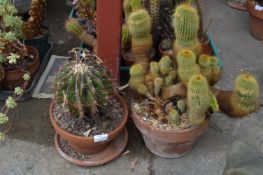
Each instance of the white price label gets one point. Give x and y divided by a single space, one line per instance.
258 8
101 138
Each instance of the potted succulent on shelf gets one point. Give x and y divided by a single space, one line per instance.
15 57
88 117
35 33
255 10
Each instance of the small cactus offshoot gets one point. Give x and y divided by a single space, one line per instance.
83 86
215 70
204 63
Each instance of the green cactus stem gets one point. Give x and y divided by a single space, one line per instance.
245 98
198 99
136 76
215 70
165 65
187 66
83 87
73 26
186 25
139 24
174 117
204 63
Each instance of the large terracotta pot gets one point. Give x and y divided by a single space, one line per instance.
14 78
255 20
166 143
86 144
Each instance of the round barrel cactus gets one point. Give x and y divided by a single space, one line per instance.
83 85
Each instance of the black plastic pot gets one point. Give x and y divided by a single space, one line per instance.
41 44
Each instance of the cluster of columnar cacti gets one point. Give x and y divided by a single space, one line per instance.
245 97
139 24
198 97
83 85
74 27
32 28
186 25
153 83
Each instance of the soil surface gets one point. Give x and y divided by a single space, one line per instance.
108 119
145 112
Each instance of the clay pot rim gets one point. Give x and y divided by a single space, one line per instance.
34 52
126 58
169 131
251 10
90 138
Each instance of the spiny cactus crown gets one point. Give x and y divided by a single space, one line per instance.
83 85
204 61
246 89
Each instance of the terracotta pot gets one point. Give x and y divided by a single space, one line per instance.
166 143
205 44
14 78
237 4
128 56
86 144
255 20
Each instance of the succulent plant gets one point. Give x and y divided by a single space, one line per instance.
86 9
187 66
245 98
186 25
198 96
32 28
83 86
126 36
204 63
136 76
126 8
74 27
165 65
139 24
11 49
154 11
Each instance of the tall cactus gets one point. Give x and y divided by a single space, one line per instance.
245 98
83 86
139 24
198 99
187 66
186 25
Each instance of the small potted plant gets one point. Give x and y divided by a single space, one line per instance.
87 115
178 105
255 10
15 57
35 33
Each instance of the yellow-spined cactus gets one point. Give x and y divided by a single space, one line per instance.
187 66
204 63
245 98
136 76
198 96
215 70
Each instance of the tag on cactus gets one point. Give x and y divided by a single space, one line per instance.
213 102
101 138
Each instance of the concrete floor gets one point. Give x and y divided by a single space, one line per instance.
29 149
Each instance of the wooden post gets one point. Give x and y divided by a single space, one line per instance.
109 19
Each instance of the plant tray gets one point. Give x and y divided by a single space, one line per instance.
28 92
